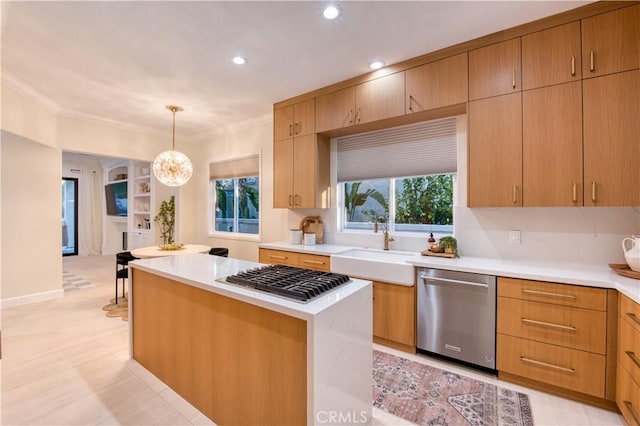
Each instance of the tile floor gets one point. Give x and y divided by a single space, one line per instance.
65 363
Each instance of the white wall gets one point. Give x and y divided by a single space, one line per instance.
194 197
31 220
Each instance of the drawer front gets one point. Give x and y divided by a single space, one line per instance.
278 257
629 348
628 396
567 368
630 311
558 294
314 261
559 325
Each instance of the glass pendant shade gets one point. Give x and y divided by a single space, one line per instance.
172 168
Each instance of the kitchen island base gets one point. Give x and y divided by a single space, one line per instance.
239 363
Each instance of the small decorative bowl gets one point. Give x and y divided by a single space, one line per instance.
173 246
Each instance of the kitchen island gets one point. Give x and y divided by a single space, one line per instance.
245 357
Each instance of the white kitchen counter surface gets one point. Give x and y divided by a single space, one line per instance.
594 275
203 271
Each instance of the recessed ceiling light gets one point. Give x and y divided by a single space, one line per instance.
331 12
376 65
239 60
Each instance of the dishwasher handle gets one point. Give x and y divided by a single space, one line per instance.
449 280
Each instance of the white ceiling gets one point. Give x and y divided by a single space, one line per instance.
125 61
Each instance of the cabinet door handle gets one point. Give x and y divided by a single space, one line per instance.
633 413
290 129
574 194
592 65
313 262
273 256
573 65
290 200
350 117
633 317
544 364
593 191
296 128
544 293
411 103
358 116
296 197
548 324
633 357
513 79
515 194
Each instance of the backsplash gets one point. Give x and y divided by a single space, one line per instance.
568 235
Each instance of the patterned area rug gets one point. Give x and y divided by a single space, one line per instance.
429 396
119 310
71 282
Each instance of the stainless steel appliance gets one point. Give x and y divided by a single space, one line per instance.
457 315
298 284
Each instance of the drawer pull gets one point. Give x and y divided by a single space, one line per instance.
544 364
273 256
548 324
635 416
544 293
633 357
633 317
313 262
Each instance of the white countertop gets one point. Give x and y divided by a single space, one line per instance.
592 275
203 271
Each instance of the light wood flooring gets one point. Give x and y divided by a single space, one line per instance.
65 363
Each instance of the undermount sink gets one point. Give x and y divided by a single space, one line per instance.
378 265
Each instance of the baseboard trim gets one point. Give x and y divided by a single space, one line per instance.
32 298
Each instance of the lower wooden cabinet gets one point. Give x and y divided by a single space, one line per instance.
628 371
559 338
302 260
394 316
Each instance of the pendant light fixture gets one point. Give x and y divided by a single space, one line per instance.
173 168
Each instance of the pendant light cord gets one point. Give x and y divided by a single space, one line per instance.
173 144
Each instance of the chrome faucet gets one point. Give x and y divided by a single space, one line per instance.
387 239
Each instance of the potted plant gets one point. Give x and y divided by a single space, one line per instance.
449 244
166 219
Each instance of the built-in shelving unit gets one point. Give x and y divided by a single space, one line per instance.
141 228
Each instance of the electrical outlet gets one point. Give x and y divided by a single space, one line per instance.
514 237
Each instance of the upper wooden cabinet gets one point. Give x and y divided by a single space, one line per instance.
294 120
495 70
552 146
366 102
336 110
551 56
610 42
380 98
611 147
437 84
495 152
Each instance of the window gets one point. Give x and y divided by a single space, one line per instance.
235 196
402 176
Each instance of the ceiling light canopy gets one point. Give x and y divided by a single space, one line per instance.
331 12
376 65
239 60
173 168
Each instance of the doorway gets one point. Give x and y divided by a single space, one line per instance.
69 216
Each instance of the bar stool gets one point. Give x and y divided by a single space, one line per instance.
122 271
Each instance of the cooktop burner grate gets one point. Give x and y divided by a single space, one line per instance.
290 282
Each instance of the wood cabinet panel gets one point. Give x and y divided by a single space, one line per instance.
554 293
294 120
283 123
495 152
314 261
283 173
611 150
380 98
628 396
336 110
552 146
568 368
610 42
629 348
495 70
278 257
394 315
551 56
575 328
630 311
305 171
437 84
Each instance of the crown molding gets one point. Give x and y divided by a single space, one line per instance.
14 84
81 116
263 120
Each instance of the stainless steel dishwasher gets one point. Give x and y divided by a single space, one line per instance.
457 315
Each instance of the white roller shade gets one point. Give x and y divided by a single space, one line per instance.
236 168
418 149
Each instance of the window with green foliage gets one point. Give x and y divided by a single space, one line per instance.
235 196
408 204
